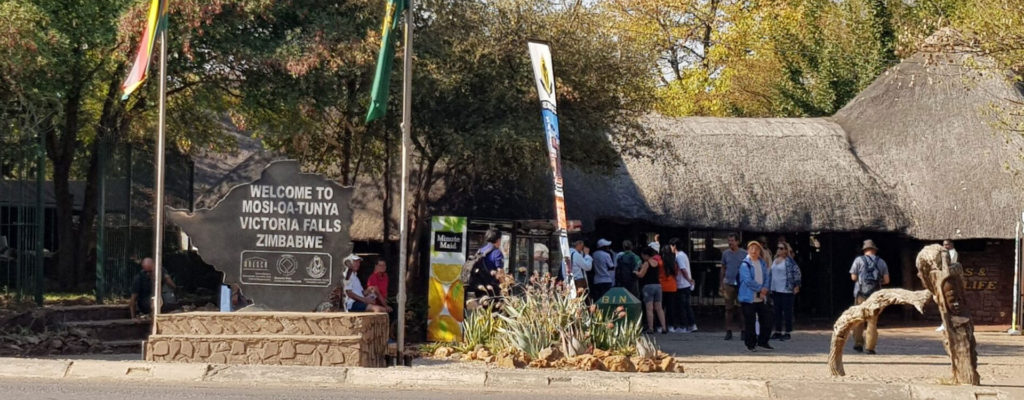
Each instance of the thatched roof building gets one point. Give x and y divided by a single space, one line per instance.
928 129
768 175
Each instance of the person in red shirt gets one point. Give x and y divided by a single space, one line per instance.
379 282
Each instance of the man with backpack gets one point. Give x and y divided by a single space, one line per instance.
869 273
481 272
626 264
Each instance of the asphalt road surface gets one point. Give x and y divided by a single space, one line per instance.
11 389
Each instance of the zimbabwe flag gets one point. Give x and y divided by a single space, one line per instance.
156 20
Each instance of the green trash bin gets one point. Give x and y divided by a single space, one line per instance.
619 296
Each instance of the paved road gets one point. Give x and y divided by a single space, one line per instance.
84 390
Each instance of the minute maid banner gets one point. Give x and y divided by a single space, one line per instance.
446 298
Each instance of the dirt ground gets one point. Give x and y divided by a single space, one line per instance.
905 355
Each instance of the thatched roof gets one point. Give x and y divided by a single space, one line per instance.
780 175
927 129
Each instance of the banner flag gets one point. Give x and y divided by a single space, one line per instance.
446 295
544 75
155 21
382 78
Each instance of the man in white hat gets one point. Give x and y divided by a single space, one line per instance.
604 269
869 272
355 301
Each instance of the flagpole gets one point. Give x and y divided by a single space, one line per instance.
403 217
158 195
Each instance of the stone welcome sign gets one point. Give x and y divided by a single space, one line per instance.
281 238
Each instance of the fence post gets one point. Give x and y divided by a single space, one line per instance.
40 218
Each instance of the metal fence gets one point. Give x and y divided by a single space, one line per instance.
123 225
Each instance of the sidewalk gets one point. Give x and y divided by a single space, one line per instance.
911 366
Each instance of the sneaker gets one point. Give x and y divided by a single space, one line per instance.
693 328
751 349
871 352
858 349
776 336
664 331
940 328
786 336
728 335
766 346
684 330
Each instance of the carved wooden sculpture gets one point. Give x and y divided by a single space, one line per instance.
868 312
944 283
945 280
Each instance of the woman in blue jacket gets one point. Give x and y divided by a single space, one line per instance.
755 279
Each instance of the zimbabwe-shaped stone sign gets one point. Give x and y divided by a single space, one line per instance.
281 238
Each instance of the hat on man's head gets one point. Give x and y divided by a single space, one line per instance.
755 243
869 244
351 257
603 243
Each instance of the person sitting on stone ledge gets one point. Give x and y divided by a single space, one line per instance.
355 299
141 302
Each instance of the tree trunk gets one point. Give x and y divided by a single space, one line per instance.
418 221
386 207
945 280
61 151
868 312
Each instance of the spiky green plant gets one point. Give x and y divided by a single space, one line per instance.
479 328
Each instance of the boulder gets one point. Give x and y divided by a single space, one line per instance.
646 365
619 364
483 353
549 354
667 364
589 363
510 361
541 363
601 353
443 352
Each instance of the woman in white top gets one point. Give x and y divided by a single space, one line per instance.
785 285
684 286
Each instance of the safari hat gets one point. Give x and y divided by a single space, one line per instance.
869 244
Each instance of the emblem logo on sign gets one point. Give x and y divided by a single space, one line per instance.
316 268
254 263
286 265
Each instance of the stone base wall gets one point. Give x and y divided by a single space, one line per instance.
270 338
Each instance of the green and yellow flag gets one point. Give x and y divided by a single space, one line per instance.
156 20
382 79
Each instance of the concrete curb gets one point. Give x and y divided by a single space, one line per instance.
537 380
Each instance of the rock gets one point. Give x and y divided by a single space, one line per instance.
469 356
549 354
678 368
456 356
510 361
56 344
523 358
483 353
540 364
668 364
601 353
488 359
443 352
589 363
32 339
646 365
619 364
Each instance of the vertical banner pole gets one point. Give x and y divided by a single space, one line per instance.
544 75
404 217
158 200
101 217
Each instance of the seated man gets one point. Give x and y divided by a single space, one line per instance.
141 302
356 300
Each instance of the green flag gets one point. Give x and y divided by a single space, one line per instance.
382 78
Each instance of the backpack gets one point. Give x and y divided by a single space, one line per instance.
625 264
473 269
868 277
